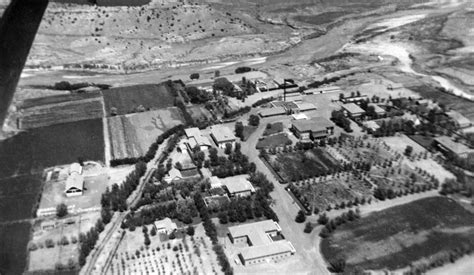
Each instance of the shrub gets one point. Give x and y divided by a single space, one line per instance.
61 210
301 217
49 243
308 227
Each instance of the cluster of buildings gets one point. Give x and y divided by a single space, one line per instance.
260 242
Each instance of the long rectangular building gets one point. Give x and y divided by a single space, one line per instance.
264 242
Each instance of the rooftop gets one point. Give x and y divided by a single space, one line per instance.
305 106
215 182
237 184
75 168
166 223
377 108
274 248
285 104
455 147
222 133
256 232
192 132
353 108
75 180
299 116
273 111
313 124
459 118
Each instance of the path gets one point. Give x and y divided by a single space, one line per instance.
306 245
97 259
105 126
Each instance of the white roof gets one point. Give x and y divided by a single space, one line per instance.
305 106
353 108
75 168
215 182
299 116
173 174
459 118
254 230
75 180
165 223
274 248
192 132
237 184
222 134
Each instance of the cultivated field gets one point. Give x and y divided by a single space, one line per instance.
125 100
132 135
60 112
183 255
38 148
395 237
300 165
18 196
13 247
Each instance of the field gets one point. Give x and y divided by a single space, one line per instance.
274 128
395 237
331 192
188 255
38 148
304 164
18 196
13 247
452 102
60 112
132 135
276 140
46 258
125 100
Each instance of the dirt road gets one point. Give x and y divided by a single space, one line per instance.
308 256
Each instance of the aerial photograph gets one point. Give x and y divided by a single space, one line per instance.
254 137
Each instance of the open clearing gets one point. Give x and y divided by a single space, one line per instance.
132 135
395 237
126 100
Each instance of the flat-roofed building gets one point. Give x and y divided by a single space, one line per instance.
305 106
238 186
75 168
262 242
299 116
460 120
314 128
222 135
353 110
275 111
448 145
323 90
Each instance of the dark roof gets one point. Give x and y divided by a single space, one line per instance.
314 124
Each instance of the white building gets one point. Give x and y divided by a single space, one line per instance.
222 135
165 226
75 181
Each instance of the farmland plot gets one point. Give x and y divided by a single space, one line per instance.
395 237
125 100
132 135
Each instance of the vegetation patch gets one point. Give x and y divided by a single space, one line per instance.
274 141
13 242
139 98
19 196
395 237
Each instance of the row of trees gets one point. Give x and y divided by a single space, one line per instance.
331 224
179 130
341 120
211 232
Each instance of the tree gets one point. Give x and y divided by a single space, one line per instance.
301 217
228 148
61 210
239 130
194 76
153 231
254 120
308 227
408 151
337 266
190 230
323 219
223 219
